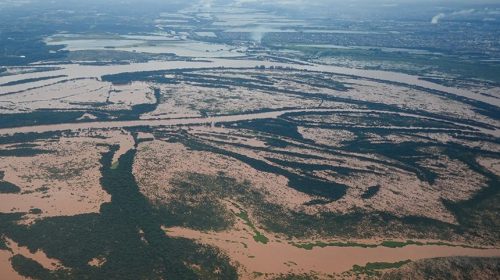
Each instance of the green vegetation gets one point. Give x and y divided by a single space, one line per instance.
310 246
378 119
309 184
36 211
302 225
42 117
477 223
20 48
115 165
397 244
371 268
107 57
293 276
368 225
258 237
3 244
408 62
389 244
31 269
478 216
447 268
257 274
27 138
199 195
23 152
27 81
6 187
115 235
38 118
370 192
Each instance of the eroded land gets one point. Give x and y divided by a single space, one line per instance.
224 161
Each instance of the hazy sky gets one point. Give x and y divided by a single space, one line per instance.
431 10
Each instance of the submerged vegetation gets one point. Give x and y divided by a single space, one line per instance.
446 268
258 237
373 223
6 187
371 268
115 234
387 243
313 144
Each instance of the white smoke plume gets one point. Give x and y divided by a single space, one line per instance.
258 33
461 13
437 18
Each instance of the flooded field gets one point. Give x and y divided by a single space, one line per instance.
75 71
200 140
278 256
326 118
154 43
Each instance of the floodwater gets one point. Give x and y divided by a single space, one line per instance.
180 122
6 270
146 44
38 256
332 46
274 257
86 71
329 259
126 144
165 122
281 257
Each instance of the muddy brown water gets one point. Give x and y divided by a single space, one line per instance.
184 121
79 71
282 257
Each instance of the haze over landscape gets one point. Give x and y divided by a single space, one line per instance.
249 139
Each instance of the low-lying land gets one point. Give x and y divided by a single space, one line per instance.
194 145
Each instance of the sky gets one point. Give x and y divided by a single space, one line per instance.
434 11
